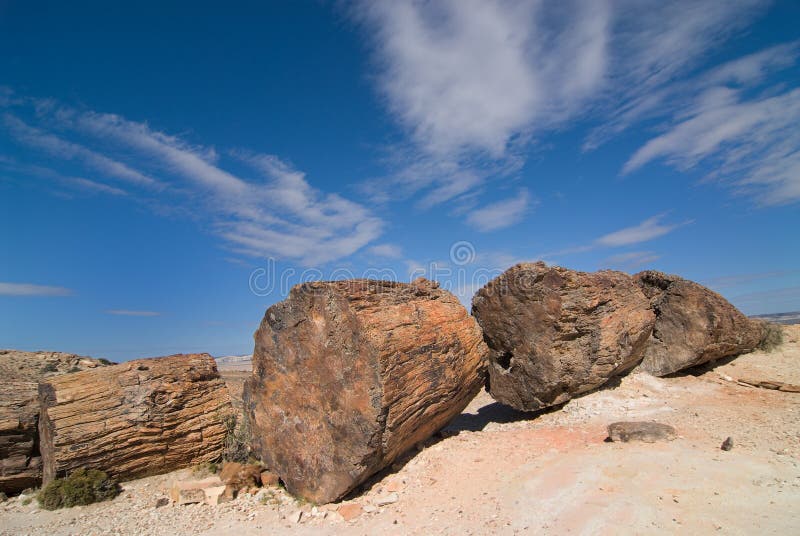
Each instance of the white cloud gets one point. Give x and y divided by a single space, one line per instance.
632 259
96 186
73 151
649 229
390 251
473 81
282 216
127 312
753 143
500 214
28 289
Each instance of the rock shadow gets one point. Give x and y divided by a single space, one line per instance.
490 413
703 368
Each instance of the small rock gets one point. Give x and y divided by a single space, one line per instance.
349 511
727 444
216 495
648 432
161 501
240 476
268 478
296 517
194 491
368 508
389 498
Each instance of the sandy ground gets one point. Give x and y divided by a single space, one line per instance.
494 470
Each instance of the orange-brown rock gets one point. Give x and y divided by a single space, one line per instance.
269 479
348 375
138 418
694 325
20 461
237 476
555 333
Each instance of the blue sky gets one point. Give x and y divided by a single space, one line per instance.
169 169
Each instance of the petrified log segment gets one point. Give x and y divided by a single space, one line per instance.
555 333
694 325
20 463
348 375
138 418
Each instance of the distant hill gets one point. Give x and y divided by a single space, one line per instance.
234 362
781 318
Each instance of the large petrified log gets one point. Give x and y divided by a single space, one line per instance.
694 325
20 464
555 333
348 375
138 418
20 461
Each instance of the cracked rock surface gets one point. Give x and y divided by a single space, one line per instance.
694 325
556 333
348 375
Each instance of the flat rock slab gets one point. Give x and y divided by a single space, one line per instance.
348 375
646 431
556 333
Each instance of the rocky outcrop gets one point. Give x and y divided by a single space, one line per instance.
348 375
20 461
16 365
555 333
694 325
139 418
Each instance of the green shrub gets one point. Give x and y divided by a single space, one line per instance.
205 469
73 369
80 488
105 361
50 367
773 337
237 438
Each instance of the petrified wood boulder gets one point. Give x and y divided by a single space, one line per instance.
348 375
694 325
20 461
555 333
138 418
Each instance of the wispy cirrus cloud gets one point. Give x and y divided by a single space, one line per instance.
60 148
631 259
474 83
280 216
93 186
388 251
30 289
500 214
754 143
645 231
79 183
129 312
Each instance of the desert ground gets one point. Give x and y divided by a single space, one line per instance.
497 471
